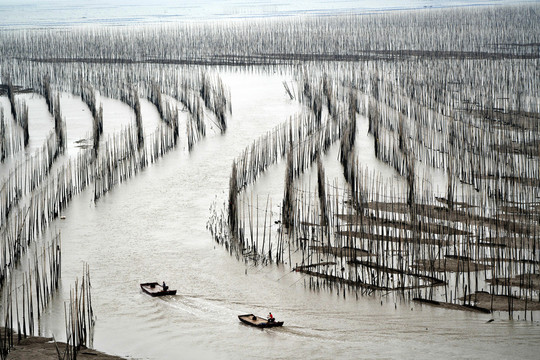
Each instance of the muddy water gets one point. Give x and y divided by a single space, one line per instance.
152 228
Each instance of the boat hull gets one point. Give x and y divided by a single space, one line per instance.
257 321
155 289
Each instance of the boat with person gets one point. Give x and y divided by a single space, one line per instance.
156 289
258 321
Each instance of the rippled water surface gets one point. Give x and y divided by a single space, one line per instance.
153 228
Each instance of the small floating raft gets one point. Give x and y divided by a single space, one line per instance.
155 289
258 321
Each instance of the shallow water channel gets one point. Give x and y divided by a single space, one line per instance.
153 228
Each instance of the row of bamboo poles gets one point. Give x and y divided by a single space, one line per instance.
39 187
197 90
473 113
26 297
399 236
162 140
11 142
472 147
475 32
79 316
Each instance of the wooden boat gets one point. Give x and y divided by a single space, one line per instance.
258 321
155 289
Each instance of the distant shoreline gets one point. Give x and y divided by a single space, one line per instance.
51 14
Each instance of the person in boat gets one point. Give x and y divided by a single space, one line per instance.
271 317
165 287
